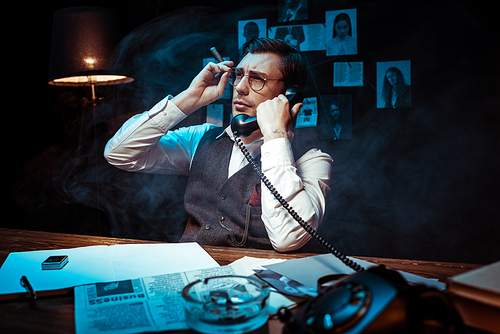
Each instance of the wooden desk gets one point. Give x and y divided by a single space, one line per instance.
56 314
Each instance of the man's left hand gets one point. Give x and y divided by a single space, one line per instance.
275 119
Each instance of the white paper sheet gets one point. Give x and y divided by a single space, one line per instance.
101 264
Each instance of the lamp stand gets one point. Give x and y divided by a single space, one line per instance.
93 107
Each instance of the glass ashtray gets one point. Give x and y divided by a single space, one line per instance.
226 304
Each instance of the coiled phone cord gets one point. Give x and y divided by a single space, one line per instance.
342 257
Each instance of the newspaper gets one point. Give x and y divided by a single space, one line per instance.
308 114
348 74
139 305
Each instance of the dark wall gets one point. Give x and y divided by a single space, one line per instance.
420 182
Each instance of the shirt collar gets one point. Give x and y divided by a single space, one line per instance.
226 132
253 147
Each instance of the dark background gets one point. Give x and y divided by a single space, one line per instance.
421 182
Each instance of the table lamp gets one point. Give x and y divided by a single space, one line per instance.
83 40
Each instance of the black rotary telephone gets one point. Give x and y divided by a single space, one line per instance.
375 300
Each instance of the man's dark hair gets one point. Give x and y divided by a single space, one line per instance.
292 65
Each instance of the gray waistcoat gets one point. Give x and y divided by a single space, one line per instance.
219 209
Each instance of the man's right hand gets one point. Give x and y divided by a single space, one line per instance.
205 88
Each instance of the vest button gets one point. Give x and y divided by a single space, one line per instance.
207 227
223 197
222 218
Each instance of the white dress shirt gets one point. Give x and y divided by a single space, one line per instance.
144 143
340 47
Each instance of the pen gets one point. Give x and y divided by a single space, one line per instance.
216 54
26 284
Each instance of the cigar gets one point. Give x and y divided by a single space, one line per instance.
216 54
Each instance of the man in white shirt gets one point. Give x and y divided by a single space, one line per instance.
224 198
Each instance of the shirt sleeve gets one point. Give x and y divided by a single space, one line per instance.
303 184
145 144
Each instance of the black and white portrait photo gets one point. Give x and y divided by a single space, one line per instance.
249 29
336 117
393 84
341 32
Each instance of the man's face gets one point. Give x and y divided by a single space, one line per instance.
335 112
251 31
262 65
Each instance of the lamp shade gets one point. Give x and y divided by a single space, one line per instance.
83 40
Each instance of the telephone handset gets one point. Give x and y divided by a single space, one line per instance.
245 125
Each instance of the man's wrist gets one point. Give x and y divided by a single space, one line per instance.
166 114
186 102
275 134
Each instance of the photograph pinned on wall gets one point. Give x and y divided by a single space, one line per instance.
307 37
293 35
250 29
336 117
341 32
215 114
292 10
308 114
348 74
227 89
394 84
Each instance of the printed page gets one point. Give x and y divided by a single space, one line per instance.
348 74
308 114
140 305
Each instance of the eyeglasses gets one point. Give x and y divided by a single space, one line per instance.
256 81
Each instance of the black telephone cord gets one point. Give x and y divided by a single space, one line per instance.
342 257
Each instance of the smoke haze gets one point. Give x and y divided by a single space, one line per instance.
411 183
